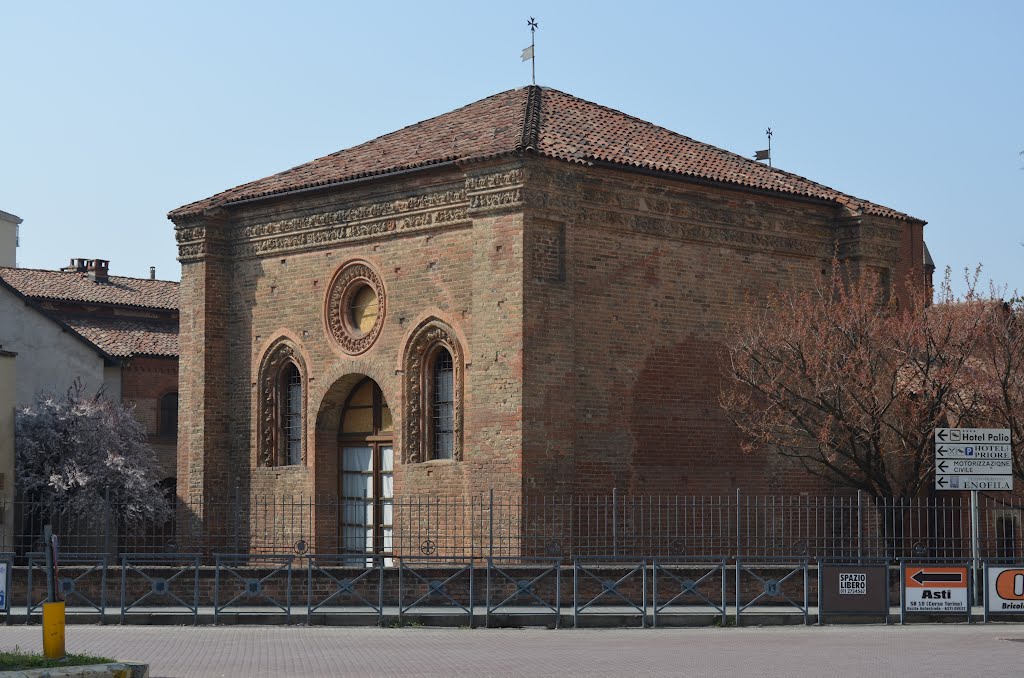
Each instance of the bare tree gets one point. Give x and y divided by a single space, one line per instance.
999 371
850 384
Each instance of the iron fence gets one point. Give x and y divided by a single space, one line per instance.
553 527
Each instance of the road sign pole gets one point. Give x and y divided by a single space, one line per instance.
975 541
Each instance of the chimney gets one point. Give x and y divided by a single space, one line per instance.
97 270
76 266
152 272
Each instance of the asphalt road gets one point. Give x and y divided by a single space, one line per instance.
922 650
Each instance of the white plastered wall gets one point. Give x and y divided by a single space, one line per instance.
49 357
7 382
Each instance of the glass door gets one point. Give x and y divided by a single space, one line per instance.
366 485
357 497
387 500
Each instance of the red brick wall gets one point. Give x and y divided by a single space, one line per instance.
207 467
592 307
624 350
144 381
467 274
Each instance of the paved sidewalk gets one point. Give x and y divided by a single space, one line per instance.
992 651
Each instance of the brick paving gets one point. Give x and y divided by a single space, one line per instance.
990 651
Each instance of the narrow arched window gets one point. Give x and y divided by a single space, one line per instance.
281 425
291 415
442 406
168 416
434 381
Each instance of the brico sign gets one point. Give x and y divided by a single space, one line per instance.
928 588
1005 589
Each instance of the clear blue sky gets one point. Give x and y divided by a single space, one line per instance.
115 113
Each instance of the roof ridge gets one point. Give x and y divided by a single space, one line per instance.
531 119
57 270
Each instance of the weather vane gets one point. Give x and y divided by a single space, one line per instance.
767 153
528 52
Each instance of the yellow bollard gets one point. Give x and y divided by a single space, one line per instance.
53 630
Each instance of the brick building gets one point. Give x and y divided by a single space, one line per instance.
111 332
529 294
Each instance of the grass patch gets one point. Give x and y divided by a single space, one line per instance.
17 660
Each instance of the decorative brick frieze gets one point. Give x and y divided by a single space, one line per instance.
676 230
493 180
189 234
869 250
374 220
199 238
489 202
495 191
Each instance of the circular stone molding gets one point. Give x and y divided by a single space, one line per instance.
345 288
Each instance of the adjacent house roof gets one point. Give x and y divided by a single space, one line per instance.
545 122
118 290
13 218
55 294
127 337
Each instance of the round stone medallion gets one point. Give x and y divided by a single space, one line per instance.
355 307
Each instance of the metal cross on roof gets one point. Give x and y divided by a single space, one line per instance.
528 52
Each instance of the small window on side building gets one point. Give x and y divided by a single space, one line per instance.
169 416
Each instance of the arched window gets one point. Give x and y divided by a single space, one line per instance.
433 369
290 402
442 405
282 404
367 467
168 416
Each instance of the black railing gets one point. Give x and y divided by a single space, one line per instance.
559 527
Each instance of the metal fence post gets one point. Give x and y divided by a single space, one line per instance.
737 555
490 535
975 546
106 525
737 523
615 521
860 525
237 518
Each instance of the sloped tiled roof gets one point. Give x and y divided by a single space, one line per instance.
547 122
126 337
60 286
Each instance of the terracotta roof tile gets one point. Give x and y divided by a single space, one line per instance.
489 127
543 121
119 290
126 337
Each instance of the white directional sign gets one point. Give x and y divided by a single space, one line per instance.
973 459
970 466
972 435
973 482
972 451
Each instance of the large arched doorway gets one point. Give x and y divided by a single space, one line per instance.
366 467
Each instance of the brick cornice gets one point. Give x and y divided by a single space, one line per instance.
484 190
440 208
200 237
